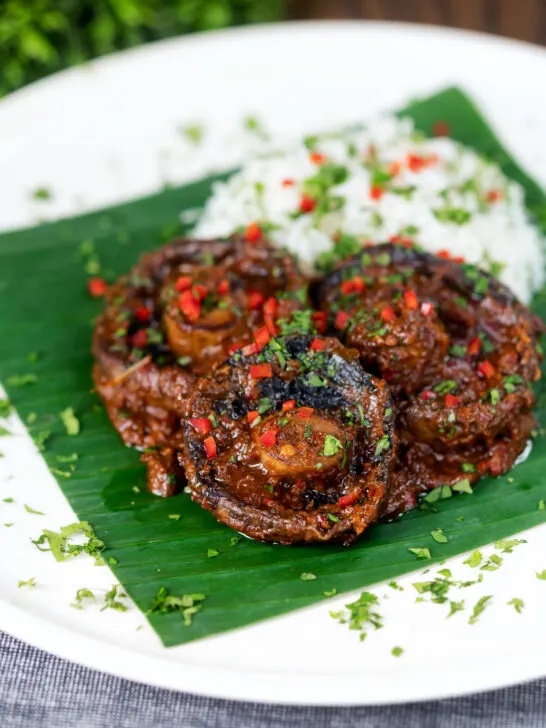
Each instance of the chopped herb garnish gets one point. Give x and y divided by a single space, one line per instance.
188 604
70 421
455 607
458 350
475 559
493 563
506 546
397 651
332 518
193 133
112 600
360 615
28 509
211 553
541 575
61 548
462 486
421 552
383 444
468 468
8 500
331 446
308 576
456 215
175 516
82 594
541 505
394 585
254 126
30 583
330 593
479 607
445 387
234 540
517 604
4 432
439 536
42 194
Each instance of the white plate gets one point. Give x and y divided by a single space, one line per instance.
107 132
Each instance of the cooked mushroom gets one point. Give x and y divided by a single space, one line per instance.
291 444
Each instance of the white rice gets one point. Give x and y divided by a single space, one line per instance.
496 231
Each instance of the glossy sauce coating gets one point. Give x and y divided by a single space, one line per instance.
301 446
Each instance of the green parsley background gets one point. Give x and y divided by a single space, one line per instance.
39 37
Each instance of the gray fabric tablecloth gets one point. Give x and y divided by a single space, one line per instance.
38 690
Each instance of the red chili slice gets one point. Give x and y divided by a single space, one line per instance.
317 158
143 314
474 346
189 306
410 299
255 300
288 182
262 337
97 287
250 349
253 233
349 499
307 204
268 438
253 415
305 413
319 320
223 287
387 314
271 306
260 371
182 284
199 292
139 339
210 447
451 400
487 369
201 424
318 345
427 394
376 192
290 404
234 347
342 320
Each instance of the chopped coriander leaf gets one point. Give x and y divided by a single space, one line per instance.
112 600
193 133
397 651
211 553
360 615
455 607
445 387
254 126
82 594
8 525
421 552
468 468
308 576
456 215
458 350
462 486
112 561
541 575
439 536
506 546
383 444
72 458
331 446
541 505
5 408
61 547
28 509
174 516
475 559
479 608
394 585
517 604
441 493
188 604
4 432
70 421
494 396
42 194
8 500
330 593
21 380
234 540
30 583
333 518
493 563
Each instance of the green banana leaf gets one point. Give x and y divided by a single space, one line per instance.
156 543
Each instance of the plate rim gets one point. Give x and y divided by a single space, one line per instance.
212 682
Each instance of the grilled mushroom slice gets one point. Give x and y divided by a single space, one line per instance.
293 444
459 352
177 314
